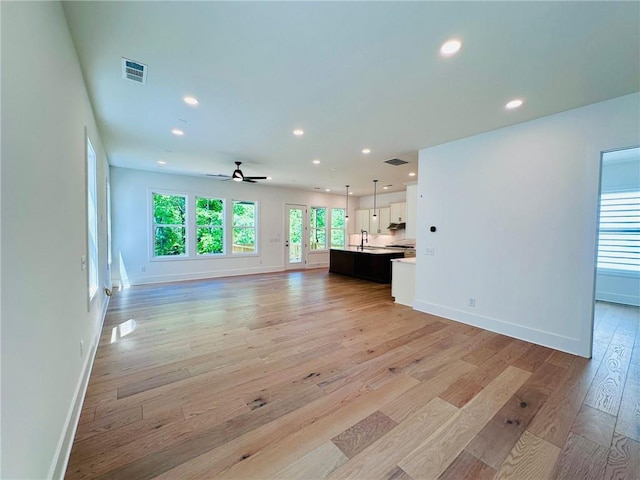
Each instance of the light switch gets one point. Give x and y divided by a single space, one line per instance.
430 251
83 263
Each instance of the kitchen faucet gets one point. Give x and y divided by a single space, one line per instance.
362 238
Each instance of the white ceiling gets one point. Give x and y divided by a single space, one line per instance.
351 74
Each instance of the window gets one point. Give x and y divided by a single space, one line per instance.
244 227
619 240
92 218
169 225
318 230
209 226
337 227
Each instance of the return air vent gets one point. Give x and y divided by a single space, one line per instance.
134 71
395 162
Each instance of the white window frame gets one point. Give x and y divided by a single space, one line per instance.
152 245
331 229
92 220
313 229
254 227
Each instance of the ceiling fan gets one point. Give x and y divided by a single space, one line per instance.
237 176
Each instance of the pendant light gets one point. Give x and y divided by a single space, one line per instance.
375 185
346 215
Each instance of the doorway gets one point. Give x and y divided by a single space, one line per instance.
295 241
618 262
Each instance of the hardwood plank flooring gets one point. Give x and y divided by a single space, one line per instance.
312 375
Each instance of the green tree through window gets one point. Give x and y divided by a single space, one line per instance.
337 227
318 231
169 222
244 227
210 226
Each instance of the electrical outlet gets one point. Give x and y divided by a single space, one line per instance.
430 251
143 269
472 302
83 263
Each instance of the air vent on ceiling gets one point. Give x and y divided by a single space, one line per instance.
395 162
134 71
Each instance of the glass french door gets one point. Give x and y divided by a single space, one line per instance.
295 242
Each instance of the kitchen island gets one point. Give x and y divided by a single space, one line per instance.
367 263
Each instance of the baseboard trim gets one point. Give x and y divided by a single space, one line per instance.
180 277
61 459
547 339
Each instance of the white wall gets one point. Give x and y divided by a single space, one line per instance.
44 291
619 175
383 199
131 226
516 217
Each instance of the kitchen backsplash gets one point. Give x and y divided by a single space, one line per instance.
378 240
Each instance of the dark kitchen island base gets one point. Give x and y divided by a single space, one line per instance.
367 264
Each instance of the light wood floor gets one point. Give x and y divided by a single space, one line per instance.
312 375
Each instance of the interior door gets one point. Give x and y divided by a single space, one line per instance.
295 237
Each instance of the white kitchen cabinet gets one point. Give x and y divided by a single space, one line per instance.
362 220
398 212
403 280
380 224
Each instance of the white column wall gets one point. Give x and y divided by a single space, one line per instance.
516 217
45 311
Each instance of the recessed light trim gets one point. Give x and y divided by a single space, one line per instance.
298 132
366 151
177 131
327 189
412 174
191 100
161 162
450 47
316 162
515 103
269 178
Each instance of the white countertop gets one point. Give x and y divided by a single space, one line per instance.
405 260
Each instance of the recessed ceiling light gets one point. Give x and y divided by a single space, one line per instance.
269 178
161 162
298 132
350 193
412 174
177 131
385 188
450 47
515 103
316 162
191 100
327 189
366 151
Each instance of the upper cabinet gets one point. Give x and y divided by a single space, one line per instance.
378 225
398 212
362 220
381 222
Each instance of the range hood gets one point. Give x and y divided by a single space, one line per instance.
396 226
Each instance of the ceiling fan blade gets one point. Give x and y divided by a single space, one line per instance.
218 176
256 178
248 179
